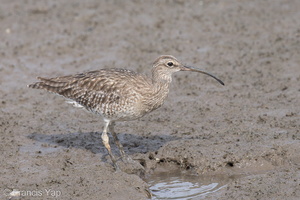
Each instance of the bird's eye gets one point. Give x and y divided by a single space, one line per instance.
170 64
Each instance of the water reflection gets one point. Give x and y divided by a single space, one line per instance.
185 184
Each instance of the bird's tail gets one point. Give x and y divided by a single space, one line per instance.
49 85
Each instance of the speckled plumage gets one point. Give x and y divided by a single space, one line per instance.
117 94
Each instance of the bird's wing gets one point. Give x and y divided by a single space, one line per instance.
94 88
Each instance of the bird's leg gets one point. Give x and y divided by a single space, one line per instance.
117 141
105 140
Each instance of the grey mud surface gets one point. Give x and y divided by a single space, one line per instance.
248 129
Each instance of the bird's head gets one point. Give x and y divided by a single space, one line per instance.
164 66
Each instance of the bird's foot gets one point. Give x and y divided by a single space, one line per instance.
130 166
116 166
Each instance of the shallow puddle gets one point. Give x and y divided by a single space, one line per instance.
185 185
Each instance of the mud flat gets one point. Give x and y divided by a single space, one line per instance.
249 129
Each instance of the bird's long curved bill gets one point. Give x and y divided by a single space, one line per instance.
193 69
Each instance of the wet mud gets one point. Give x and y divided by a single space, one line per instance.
248 129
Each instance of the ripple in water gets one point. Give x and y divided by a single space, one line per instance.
184 185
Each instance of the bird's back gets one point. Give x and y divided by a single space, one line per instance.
116 94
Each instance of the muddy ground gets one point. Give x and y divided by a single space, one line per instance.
248 129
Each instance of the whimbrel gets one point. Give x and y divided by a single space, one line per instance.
118 94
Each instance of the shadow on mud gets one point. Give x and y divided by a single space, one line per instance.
92 141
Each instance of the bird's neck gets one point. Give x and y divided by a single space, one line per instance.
158 91
161 77
161 80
